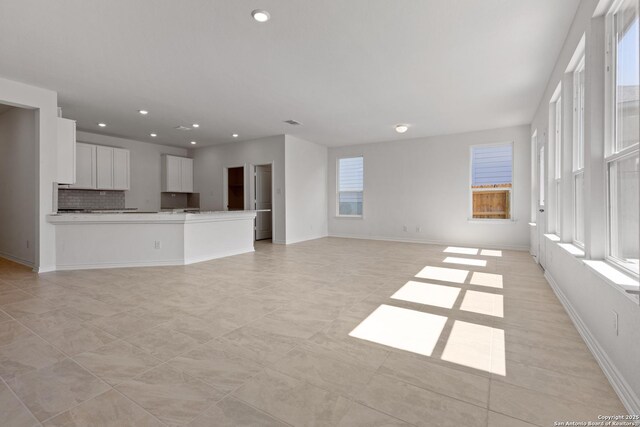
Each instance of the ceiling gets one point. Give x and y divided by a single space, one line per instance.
347 70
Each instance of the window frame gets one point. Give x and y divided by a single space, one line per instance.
511 190
338 214
612 154
557 163
578 146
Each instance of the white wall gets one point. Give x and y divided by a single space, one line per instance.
306 183
18 176
209 164
45 103
591 298
145 163
425 183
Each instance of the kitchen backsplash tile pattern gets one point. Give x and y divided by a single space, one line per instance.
90 199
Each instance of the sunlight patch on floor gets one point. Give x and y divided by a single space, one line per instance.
462 251
476 346
401 328
466 261
491 252
428 293
443 274
483 303
489 280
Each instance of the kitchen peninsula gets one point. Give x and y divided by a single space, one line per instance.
107 240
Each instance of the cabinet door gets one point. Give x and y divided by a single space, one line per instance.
120 169
186 172
66 151
172 178
85 166
104 167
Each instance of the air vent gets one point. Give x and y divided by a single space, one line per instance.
182 128
293 122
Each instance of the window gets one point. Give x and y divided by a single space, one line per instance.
558 164
491 181
541 176
622 145
350 186
578 154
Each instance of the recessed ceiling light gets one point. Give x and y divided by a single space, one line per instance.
261 15
195 125
153 135
235 135
402 128
193 143
102 125
143 112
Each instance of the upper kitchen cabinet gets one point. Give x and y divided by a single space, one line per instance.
66 173
121 180
101 168
85 167
177 174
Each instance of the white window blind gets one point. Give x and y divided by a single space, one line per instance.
350 186
492 165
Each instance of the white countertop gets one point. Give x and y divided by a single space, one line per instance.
157 217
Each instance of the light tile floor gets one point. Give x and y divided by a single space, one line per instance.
263 339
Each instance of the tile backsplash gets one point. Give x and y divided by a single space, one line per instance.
90 199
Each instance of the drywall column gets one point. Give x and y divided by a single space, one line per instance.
45 102
595 208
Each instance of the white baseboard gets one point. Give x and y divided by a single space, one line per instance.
17 260
306 239
626 394
188 261
428 242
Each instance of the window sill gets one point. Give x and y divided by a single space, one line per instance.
532 224
616 278
553 237
490 221
349 217
572 249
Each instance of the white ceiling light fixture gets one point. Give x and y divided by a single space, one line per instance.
260 15
102 125
402 128
143 112
193 143
235 135
153 135
195 125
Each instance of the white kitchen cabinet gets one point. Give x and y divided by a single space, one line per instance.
186 174
177 174
121 169
85 167
101 168
66 172
104 168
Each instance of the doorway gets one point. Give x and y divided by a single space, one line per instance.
235 188
541 216
262 203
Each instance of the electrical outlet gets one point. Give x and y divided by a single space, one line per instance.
405 228
156 244
615 322
418 229
103 193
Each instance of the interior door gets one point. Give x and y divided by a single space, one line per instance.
263 202
235 188
541 223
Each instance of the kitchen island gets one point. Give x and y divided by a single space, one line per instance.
108 240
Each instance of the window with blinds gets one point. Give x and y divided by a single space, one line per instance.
350 186
491 181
